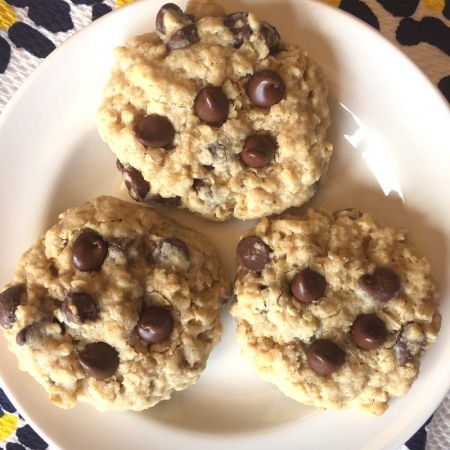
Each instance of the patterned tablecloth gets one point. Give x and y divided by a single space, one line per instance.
31 29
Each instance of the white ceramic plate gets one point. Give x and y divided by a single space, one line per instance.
390 132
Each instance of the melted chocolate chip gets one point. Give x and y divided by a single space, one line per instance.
155 324
173 201
136 184
325 357
158 254
160 26
266 88
258 151
308 286
212 106
9 301
183 38
383 285
85 306
369 331
99 360
270 36
89 251
155 131
238 24
21 338
252 253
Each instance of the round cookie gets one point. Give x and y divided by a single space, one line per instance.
215 114
335 309
116 306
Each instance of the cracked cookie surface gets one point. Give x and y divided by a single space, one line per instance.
335 309
116 306
213 113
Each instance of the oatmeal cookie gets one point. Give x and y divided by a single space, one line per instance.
335 309
214 113
115 305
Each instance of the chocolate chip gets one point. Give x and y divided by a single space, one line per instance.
308 286
21 337
183 38
409 342
266 88
369 331
9 301
270 36
85 308
258 151
383 285
325 357
155 131
137 186
252 253
89 251
99 360
155 324
159 254
212 106
162 12
173 201
238 24
198 184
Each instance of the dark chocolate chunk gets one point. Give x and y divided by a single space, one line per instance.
21 337
183 38
212 106
266 88
9 301
252 253
270 36
258 151
325 357
238 24
155 131
99 360
155 324
137 186
162 12
86 308
369 331
308 286
173 201
383 285
89 251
